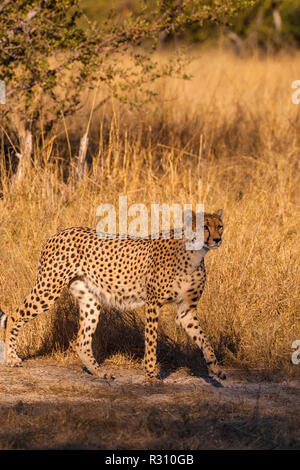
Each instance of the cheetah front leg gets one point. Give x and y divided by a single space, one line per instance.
152 313
186 317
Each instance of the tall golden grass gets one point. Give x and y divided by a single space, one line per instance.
228 138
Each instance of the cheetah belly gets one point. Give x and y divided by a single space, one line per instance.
114 298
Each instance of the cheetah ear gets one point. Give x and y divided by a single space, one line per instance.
220 213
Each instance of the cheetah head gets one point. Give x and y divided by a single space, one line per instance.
213 230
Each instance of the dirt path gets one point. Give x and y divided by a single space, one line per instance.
48 405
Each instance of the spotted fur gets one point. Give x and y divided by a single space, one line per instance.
123 273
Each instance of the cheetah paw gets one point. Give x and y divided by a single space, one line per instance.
108 376
14 362
152 380
217 372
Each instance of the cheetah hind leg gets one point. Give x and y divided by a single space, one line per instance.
36 302
89 317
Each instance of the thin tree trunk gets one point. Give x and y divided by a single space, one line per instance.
81 166
24 157
277 20
237 41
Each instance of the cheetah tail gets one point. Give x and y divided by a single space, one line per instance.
3 319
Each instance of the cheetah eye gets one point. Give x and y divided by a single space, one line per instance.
205 227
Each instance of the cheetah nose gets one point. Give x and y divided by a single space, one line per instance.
216 240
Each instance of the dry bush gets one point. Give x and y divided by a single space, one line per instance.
229 139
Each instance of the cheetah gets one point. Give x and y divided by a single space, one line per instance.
123 273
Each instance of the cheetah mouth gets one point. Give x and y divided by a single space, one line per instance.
212 247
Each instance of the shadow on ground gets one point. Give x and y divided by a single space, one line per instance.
119 334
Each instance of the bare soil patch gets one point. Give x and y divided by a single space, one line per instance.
46 405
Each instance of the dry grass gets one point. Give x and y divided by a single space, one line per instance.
229 138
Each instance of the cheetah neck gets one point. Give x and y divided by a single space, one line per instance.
198 256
